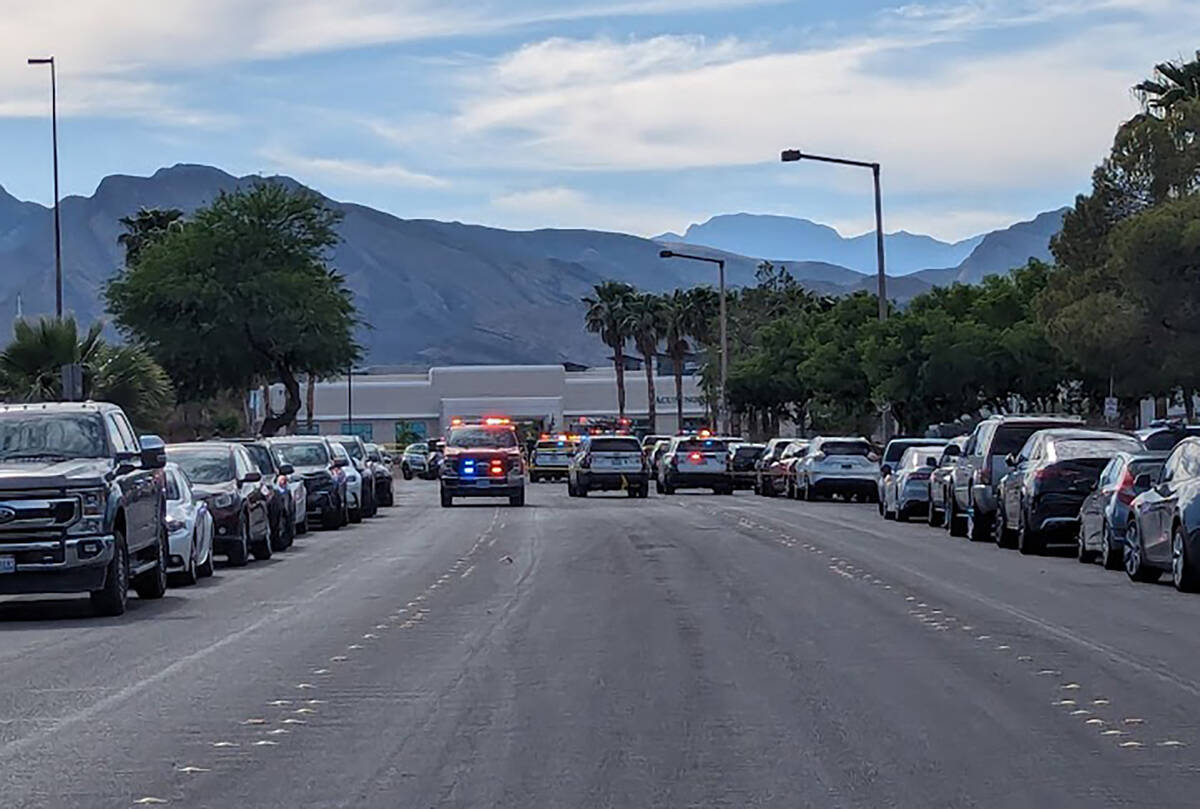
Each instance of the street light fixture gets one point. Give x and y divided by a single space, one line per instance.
720 262
58 282
795 155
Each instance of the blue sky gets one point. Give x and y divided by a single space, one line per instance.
639 116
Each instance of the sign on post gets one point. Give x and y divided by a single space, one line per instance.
1111 409
72 382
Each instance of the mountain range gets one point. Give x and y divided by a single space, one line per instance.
432 292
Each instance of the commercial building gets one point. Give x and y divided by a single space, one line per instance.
396 408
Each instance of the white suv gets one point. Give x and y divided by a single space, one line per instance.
844 466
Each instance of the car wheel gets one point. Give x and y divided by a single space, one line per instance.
331 520
1183 570
1083 554
644 491
977 530
517 500
153 583
1112 558
955 522
1135 558
406 472
355 515
239 555
262 548
1001 534
368 499
658 487
205 568
190 573
112 598
668 488
932 516
302 526
447 498
1029 542
581 491
806 493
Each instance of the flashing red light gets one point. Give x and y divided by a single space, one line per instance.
496 421
456 422
544 437
583 419
695 457
705 433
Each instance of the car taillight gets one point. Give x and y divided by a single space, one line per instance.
696 457
1125 492
1047 473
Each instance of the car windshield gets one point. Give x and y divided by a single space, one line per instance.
302 453
204 465
1011 438
553 445
858 448
374 455
262 458
416 449
702 445
482 438
34 435
751 451
1071 448
352 447
894 451
614 445
915 457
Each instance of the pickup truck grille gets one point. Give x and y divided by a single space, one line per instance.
35 514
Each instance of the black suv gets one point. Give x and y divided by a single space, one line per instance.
82 504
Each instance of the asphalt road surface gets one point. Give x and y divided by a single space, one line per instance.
686 651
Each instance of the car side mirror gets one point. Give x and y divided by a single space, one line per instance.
287 469
931 461
1143 483
154 452
885 470
951 451
252 477
1010 459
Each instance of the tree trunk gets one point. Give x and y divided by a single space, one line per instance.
310 401
619 362
651 409
291 404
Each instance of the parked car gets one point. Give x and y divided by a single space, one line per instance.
415 461
226 479
971 510
1162 437
941 479
354 480
838 466
82 502
906 487
650 441
742 458
324 481
356 448
692 462
551 459
189 530
1164 528
483 460
608 463
893 452
1049 478
1104 515
281 498
762 463
381 466
778 476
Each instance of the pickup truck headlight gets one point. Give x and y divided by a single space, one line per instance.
91 511
222 501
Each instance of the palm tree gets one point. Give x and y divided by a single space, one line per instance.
1172 83
31 368
703 306
645 325
147 225
676 316
606 316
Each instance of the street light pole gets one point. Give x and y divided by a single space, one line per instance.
723 411
58 279
350 398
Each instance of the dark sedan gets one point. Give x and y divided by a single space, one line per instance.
1104 516
323 479
224 477
1164 530
1048 481
279 498
383 475
742 458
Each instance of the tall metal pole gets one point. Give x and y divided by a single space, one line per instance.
883 302
58 278
350 398
724 409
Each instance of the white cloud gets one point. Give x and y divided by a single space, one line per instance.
389 174
564 207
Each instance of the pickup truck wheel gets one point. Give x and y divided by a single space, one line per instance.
153 583
111 599
447 498
517 500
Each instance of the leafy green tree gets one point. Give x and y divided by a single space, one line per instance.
144 227
242 294
644 322
1172 83
126 375
608 316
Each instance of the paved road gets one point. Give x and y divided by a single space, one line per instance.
672 652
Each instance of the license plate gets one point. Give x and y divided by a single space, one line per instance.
8 564
482 484
847 466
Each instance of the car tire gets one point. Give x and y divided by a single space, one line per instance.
261 549
1029 542
1135 558
668 488
631 491
956 524
447 498
977 530
191 573
239 555
112 598
368 506
302 526
354 515
517 500
658 487
406 472
581 491
932 516
643 491
205 568
1111 558
1001 535
331 520
153 583
1183 568
1083 554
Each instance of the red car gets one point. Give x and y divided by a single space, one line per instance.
779 474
